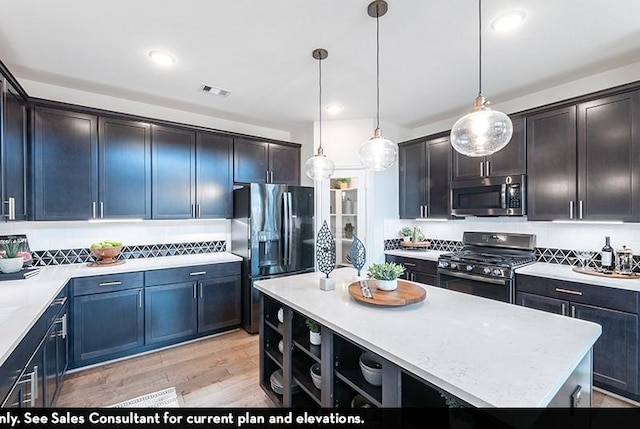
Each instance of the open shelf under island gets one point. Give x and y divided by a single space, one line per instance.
481 352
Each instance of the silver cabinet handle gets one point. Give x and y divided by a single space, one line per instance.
267 179
63 332
11 209
571 209
200 289
573 311
199 210
564 309
195 295
101 209
59 301
110 283
198 273
93 209
488 168
140 298
34 385
193 210
580 209
271 176
409 264
482 169
569 291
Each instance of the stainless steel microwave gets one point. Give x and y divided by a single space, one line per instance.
489 196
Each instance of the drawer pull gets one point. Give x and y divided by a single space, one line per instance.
110 284
198 273
409 264
59 301
572 292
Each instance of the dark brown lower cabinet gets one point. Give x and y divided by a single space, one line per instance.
615 354
417 270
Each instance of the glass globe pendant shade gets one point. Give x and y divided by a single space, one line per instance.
482 131
378 153
319 167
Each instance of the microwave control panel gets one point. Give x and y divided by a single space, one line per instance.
514 196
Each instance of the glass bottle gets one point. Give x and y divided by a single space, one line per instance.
606 255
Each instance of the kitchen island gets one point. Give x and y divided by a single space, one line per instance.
484 352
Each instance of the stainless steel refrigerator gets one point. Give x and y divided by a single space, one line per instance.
273 230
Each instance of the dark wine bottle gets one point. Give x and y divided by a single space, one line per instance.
606 255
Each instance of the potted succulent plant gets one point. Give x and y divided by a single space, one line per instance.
406 233
343 183
11 261
386 275
314 331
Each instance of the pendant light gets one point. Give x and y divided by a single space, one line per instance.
378 153
482 131
319 167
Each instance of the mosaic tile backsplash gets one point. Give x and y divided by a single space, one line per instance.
543 254
75 256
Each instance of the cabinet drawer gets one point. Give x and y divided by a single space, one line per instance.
107 283
192 273
415 264
601 296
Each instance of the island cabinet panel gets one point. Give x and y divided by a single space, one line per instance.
124 169
508 161
615 355
424 174
256 161
13 153
173 173
65 164
108 317
417 270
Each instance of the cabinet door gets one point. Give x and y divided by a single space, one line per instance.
124 165
412 167
439 173
62 349
218 303
50 365
170 312
214 182
615 354
544 303
424 278
466 167
551 164
65 164
29 390
284 164
107 323
250 161
608 154
173 173
511 159
14 158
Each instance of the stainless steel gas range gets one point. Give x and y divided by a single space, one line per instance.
486 264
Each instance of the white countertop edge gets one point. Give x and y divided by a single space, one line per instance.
17 319
566 273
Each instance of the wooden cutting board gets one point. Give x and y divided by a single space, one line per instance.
406 293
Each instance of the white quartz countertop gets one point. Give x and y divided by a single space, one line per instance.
429 255
22 302
486 352
565 272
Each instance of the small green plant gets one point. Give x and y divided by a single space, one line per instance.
342 180
406 232
312 325
458 410
11 248
385 271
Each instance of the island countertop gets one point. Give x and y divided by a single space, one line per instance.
22 302
488 353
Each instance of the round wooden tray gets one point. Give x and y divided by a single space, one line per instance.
106 264
613 275
415 245
406 293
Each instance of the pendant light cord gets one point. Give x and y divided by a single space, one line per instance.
479 47
377 68
320 101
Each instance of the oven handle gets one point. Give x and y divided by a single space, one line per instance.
501 282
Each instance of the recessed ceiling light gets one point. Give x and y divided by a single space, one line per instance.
161 57
334 109
508 21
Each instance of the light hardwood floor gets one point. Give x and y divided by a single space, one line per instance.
220 371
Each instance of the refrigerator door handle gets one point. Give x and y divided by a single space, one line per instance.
290 229
285 210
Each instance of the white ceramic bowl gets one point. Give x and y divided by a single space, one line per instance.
315 375
360 401
281 315
11 265
371 367
281 346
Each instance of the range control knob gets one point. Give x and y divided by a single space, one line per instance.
443 264
454 266
486 270
469 267
498 272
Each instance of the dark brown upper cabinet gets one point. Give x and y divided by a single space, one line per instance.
262 162
424 174
510 160
582 161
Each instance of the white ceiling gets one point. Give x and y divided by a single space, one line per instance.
261 52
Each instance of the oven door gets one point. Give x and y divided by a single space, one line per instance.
496 289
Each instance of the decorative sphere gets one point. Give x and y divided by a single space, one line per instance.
378 153
481 132
319 167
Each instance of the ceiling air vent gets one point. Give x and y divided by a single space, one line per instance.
214 90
